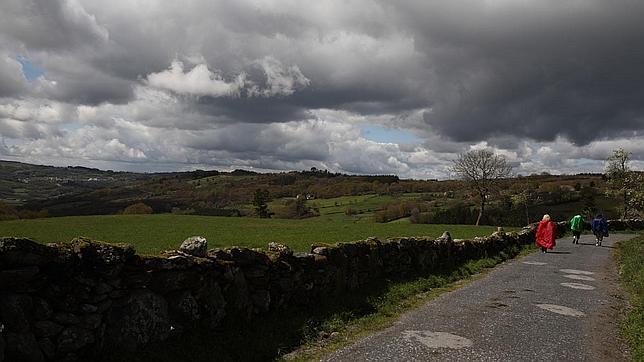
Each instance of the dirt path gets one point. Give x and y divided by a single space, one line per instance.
558 306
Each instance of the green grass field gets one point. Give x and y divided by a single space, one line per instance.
334 208
363 205
150 234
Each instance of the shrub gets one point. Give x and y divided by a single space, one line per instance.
180 211
7 212
458 213
295 209
397 210
138 208
415 216
32 214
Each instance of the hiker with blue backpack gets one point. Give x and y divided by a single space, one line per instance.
600 229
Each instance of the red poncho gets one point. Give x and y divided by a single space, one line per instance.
546 233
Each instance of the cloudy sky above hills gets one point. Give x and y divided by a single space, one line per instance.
357 86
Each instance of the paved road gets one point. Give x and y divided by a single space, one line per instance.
559 306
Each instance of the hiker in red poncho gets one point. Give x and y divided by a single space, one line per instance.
546 234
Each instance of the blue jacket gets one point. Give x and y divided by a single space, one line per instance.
599 226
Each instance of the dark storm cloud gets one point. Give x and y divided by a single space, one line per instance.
252 110
534 70
50 25
286 109
91 89
251 141
373 99
12 82
64 39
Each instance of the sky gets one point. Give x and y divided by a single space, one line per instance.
352 86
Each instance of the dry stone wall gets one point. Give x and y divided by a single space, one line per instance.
613 225
628 224
72 301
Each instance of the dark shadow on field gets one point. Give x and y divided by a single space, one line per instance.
282 331
558 252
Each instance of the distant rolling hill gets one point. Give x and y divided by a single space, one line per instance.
37 191
21 182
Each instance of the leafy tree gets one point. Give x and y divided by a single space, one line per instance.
588 195
524 197
260 199
138 208
481 169
350 211
296 209
624 182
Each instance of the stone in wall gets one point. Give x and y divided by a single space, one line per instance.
137 319
22 346
195 246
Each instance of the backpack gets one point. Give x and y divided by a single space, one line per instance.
599 225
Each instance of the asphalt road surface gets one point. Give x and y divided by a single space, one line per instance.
559 306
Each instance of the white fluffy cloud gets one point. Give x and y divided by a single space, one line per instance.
280 80
199 81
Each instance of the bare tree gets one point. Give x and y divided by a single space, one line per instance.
481 169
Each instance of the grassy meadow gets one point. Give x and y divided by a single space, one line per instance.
150 234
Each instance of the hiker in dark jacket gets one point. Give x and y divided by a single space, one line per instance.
600 229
